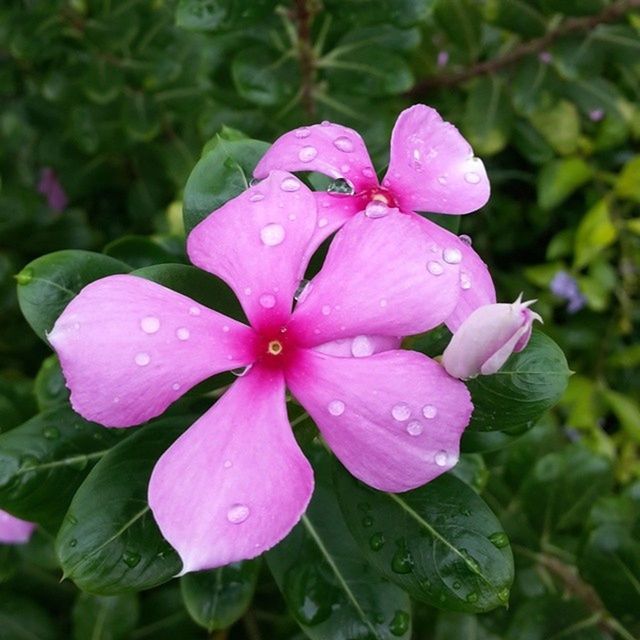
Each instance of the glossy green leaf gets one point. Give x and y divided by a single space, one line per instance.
45 460
596 232
47 285
327 584
104 617
559 125
220 15
109 542
529 383
440 542
628 183
23 619
216 599
220 175
49 385
559 179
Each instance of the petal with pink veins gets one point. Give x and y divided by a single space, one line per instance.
393 419
382 276
130 347
432 166
13 530
235 483
331 149
476 285
258 244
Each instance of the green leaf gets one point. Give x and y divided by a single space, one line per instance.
559 125
626 409
141 117
218 598
220 15
45 460
220 175
461 20
529 383
22 619
48 284
441 543
328 586
141 251
461 626
104 617
49 385
559 491
558 179
595 232
515 15
488 116
118 547
628 184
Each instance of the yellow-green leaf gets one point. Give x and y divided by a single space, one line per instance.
596 231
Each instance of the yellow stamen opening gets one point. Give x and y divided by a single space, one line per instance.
380 197
274 347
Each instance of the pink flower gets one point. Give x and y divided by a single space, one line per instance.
49 186
488 337
13 530
431 168
235 482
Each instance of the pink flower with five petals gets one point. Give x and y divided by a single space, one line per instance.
13 530
431 168
235 483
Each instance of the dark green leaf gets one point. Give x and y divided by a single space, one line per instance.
140 251
22 619
104 617
515 15
461 20
49 385
441 543
220 15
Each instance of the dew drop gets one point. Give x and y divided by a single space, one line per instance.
429 411
326 310
227 464
466 239
343 144
345 168
341 186
272 234
225 328
361 347
292 216
307 154
402 562
142 359
304 287
175 386
367 521
302 132
472 597
150 324
456 585
194 311
256 197
376 541
368 173
238 513
267 301
383 302
247 291
183 333
73 543
131 558
499 539
376 209
290 184
442 179
414 428
242 371
503 594
325 123
441 458
465 281
452 255
336 407
401 412
472 177
435 268
323 222
51 433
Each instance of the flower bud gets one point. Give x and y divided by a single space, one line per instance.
488 337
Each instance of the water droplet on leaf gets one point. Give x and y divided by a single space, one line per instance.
131 559
499 539
400 623
376 541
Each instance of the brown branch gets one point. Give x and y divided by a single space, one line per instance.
611 13
304 11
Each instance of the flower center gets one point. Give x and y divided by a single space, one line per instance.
274 348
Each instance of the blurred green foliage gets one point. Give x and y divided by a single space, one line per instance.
119 97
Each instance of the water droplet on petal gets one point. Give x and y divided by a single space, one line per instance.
452 255
290 184
383 302
441 458
336 407
227 464
247 291
326 309
292 216
307 154
340 186
183 333
194 311
242 371
442 179
368 173
175 386
361 347
150 324
465 281
435 268
304 287
414 428
238 513
345 168
344 144
325 123
272 234
401 411
268 301
429 411
376 209
466 239
323 222
302 132
472 177
142 359
225 328
256 197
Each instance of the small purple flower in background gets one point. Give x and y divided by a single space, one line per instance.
49 186
443 58
565 286
431 168
13 530
545 57
235 483
487 338
596 115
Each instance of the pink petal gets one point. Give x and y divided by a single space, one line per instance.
432 167
257 243
331 149
130 347
394 419
382 276
476 285
359 346
236 482
13 530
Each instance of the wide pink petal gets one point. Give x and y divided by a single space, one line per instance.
130 347
235 483
393 419
331 149
258 244
382 276
432 167
13 530
476 285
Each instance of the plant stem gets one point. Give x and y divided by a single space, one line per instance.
304 11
